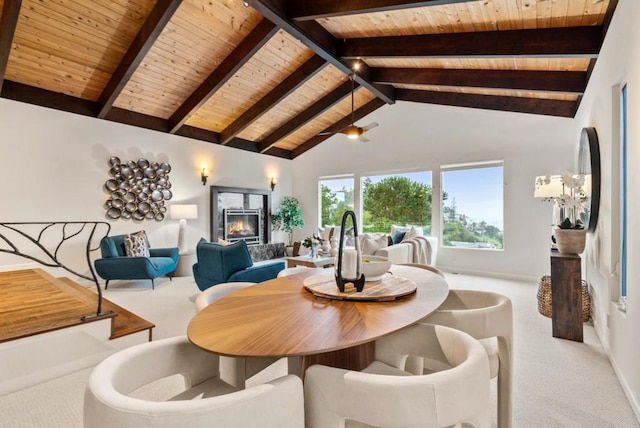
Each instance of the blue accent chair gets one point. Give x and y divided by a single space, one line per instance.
230 263
115 264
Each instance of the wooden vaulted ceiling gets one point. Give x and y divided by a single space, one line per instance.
272 76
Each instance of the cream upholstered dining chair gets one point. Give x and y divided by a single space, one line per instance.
218 291
488 317
293 271
235 370
205 402
386 394
425 267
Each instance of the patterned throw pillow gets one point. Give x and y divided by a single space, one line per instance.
136 244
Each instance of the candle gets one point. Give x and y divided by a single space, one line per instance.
349 263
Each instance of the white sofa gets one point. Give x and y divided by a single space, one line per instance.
411 245
404 251
414 248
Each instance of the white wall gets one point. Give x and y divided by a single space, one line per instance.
53 166
418 136
618 63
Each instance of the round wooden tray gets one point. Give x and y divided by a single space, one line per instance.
390 287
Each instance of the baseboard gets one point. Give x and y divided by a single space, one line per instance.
491 274
625 387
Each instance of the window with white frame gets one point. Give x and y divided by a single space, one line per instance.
398 199
472 205
336 197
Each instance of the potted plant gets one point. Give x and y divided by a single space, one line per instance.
288 216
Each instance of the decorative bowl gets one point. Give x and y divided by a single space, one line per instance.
374 267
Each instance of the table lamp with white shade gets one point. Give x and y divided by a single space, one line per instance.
183 212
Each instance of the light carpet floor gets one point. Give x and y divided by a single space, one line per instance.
557 383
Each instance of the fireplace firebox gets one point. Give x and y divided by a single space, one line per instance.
242 225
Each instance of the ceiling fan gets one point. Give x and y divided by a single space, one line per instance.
352 131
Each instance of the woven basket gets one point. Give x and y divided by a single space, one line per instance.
544 298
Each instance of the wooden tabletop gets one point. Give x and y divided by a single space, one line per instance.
280 318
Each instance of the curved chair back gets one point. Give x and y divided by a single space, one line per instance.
211 294
386 395
107 401
293 271
425 267
486 316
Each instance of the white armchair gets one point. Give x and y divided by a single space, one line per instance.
218 291
207 401
386 394
487 317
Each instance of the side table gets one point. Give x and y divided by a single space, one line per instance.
186 261
313 262
566 296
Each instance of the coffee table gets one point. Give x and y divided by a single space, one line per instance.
314 262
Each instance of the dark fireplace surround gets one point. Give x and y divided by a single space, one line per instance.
244 212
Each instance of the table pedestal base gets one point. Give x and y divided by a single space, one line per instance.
356 358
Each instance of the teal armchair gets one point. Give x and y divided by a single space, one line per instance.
115 264
230 263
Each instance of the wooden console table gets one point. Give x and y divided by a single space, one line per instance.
566 296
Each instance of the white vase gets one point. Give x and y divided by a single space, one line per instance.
571 241
333 248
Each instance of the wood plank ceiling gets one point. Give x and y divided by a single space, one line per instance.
272 76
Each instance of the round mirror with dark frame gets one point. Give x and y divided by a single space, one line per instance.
588 163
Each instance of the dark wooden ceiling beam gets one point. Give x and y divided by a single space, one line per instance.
62 102
573 42
277 94
320 106
146 37
363 111
319 40
8 22
44 98
561 108
237 143
240 55
304 10
555 81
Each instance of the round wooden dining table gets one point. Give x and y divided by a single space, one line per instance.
280 318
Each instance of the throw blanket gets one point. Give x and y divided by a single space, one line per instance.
421 250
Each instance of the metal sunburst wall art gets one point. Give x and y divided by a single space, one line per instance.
137 189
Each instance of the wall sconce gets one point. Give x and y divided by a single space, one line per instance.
204 174
273 183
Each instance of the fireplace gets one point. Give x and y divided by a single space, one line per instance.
254 203
242 225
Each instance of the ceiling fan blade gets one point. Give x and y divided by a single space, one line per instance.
326 133
363 139
369 126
